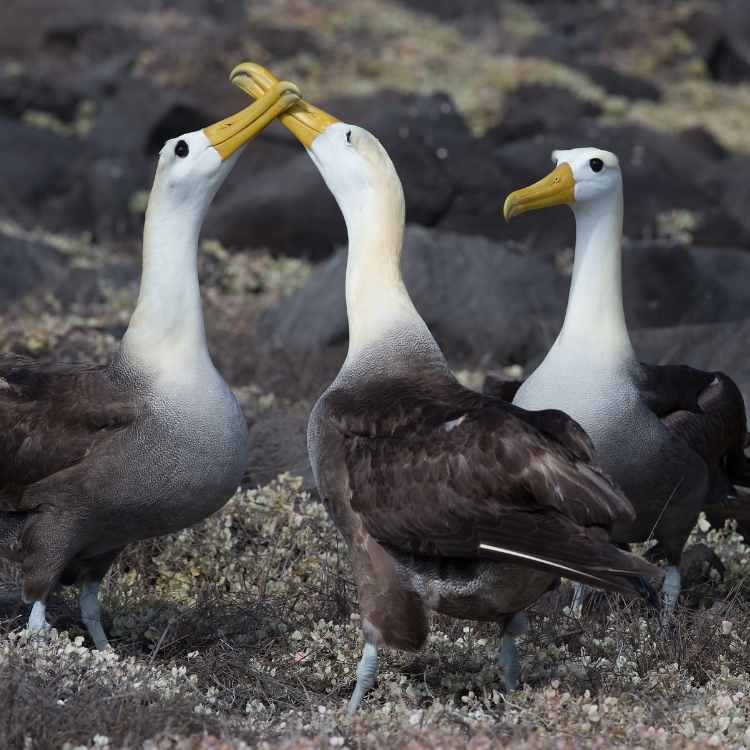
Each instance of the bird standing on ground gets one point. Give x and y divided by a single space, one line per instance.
449 500
95 457
671 436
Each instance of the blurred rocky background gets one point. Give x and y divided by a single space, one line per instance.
469 98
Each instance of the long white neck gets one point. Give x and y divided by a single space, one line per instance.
379 308
166 331
595 318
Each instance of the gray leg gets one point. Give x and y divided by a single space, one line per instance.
91 614
37 621
580 592
366 671
508 656
670 590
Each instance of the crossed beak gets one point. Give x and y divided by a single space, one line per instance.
556 188
229 134
303 119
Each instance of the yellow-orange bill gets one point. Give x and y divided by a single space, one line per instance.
227 135
303 119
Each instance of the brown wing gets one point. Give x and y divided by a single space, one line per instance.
466 476
706 409
51 416
556 424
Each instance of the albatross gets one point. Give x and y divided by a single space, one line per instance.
95 457
672 437
449 500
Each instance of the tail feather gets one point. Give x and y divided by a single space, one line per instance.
609 568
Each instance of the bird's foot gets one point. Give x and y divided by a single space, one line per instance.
670 592
580 592
508 657
37 623
366 672
91 614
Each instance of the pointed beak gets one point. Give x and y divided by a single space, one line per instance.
556 188
303 119
227 135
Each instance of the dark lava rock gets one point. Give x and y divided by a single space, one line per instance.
278 444
677 285
22 92
617 83
28 266
41 183
449 10
722 36
479 298
662 175
289 208
697 562
483 299
704 142
536 108
733 186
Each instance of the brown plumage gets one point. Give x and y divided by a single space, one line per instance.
95 457
672 437
449 500
704 410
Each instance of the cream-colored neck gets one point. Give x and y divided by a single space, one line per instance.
166 331
378 305
595 317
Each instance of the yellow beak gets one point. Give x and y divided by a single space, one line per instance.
303 119
556 188
227 135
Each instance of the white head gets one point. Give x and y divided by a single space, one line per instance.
358 171
355 166
193 166
189 172
582 177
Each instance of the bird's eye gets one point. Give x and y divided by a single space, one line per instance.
596 165
181 149
349 136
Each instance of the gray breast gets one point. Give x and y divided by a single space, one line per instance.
180 462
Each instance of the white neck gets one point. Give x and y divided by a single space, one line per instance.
595 318
166 330
378 306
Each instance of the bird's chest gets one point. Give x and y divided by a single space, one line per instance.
598 395
193 452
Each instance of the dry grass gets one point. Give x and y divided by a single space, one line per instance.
245 629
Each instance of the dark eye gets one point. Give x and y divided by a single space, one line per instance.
181 149
348 136
596 165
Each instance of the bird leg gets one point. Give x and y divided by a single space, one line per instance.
580 592
670 590
508 654
91 614
366 671
37 621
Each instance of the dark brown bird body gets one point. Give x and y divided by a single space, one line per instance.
417 472
93 458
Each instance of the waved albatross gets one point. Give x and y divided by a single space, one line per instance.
95 457
671 436
449 500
